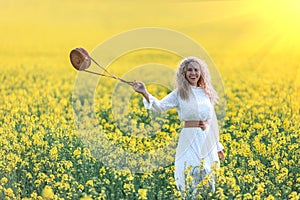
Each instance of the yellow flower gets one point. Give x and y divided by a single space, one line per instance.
248 178
236 188
47 192
248 196
102 170
34 195
294 196
4 180
86 198
65 177
28 175
77 153
38 182
81 187
128 187
142 193
270 197
130 177
90 182
219 192
54 153
9 192
260 188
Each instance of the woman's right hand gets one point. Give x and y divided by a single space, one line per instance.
139 87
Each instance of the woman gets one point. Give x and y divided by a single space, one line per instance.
194 99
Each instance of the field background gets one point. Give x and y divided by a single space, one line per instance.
254 44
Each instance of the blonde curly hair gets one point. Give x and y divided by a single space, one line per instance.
183 85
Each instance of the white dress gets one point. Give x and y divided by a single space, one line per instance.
194 144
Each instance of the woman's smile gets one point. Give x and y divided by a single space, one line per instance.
193 73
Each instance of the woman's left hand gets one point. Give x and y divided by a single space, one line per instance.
221 155
203 124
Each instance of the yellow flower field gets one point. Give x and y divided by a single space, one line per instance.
47 150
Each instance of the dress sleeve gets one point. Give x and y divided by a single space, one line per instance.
214 131
168 102
220 147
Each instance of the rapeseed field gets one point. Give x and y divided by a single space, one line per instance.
57 142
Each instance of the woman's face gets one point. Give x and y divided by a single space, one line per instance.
192 73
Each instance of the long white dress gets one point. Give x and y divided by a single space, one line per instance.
194 144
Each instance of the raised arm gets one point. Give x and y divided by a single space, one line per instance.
141 88
152 103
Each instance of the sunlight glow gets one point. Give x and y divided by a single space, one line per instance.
283 16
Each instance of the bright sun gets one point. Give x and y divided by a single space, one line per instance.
283 16
281 20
